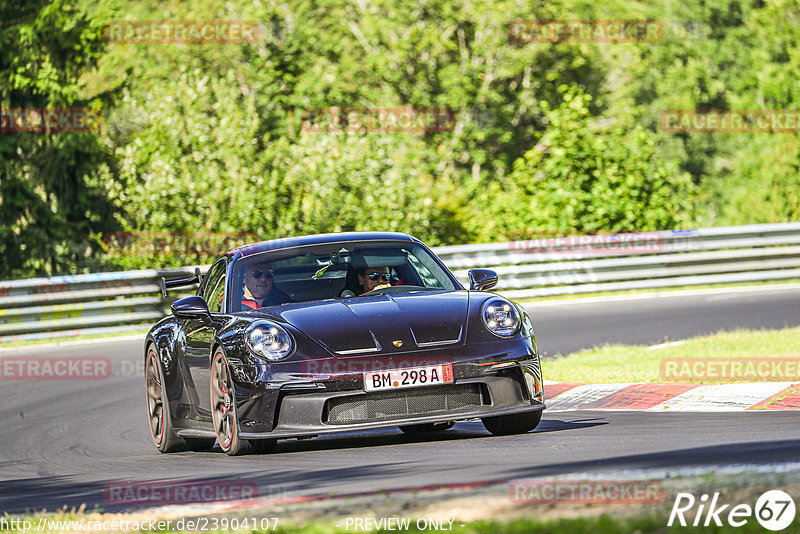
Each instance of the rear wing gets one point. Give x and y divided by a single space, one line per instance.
196 279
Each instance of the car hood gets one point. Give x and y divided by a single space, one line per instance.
391 323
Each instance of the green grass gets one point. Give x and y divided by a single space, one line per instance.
629 363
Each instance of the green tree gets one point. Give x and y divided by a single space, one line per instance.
727 55
587 177
51 198
209 138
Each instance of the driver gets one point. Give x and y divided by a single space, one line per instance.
372 278
259 288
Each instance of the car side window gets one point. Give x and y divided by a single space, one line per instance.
214 289
424 273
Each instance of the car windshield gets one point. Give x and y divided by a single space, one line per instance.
341 270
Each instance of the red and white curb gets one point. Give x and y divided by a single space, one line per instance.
677 397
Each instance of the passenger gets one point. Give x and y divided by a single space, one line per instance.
259 288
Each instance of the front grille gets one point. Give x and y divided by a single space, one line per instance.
408 402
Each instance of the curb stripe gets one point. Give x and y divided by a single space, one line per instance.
683 397
642 396
557 388
789 402
583 397
722 398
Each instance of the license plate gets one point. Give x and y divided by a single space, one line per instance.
408 378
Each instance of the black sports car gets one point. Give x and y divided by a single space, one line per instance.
336 332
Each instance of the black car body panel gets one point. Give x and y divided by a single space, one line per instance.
320 387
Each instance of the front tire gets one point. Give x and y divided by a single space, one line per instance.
517 423
223 410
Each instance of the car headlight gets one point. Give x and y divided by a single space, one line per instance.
500 317
269 340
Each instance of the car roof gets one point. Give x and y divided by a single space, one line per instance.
320 239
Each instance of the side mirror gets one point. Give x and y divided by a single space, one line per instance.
193 307
482 279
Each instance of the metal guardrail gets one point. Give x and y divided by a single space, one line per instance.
65 306
669 258
98 303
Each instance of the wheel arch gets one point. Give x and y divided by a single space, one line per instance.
217 344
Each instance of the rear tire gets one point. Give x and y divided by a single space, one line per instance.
424 428
164 436
518 423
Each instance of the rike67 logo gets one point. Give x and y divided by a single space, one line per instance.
774 510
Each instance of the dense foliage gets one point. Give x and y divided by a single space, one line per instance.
546 138
51 196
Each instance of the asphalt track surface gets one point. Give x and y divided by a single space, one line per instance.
63 441
565 326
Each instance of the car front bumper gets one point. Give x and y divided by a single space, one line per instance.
328 412
295 399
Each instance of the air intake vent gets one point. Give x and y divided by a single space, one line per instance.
409 402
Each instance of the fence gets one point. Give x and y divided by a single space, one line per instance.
110 302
